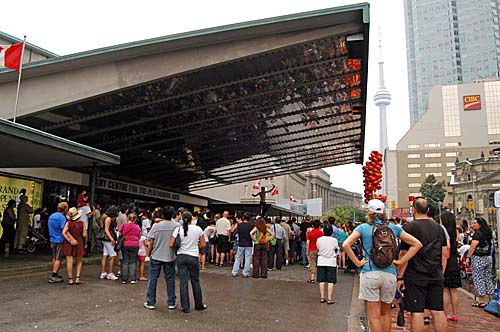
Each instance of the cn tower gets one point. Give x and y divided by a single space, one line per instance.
382 100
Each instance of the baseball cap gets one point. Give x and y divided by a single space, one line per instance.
376 205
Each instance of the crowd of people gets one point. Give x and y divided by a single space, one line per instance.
424 273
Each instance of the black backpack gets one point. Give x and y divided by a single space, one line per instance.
428 258
384 246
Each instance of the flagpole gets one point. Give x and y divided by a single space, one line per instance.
19 78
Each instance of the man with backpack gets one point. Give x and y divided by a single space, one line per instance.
422 277
377 284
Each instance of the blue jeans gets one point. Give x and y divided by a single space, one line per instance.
129 262
247 251
154 274
189 268
303 253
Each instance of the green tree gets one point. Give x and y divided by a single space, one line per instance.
346 213
434 190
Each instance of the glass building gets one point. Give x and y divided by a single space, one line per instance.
449 42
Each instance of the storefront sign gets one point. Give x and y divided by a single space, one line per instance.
11 187
114 185
472 103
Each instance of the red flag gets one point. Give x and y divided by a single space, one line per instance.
10 56
256 185
275 192
292 199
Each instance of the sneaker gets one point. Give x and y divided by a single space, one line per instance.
172 306
307 266
286 262
56 279
119 273
149 306
111 276
103 275
133 282
124 281
269 269
234 275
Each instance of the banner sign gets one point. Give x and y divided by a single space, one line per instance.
11 187
472 103
135 189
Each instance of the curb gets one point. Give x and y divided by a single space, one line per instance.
357 321
40 267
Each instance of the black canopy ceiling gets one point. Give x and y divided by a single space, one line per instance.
298 108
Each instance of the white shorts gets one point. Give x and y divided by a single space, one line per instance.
375 286
108 249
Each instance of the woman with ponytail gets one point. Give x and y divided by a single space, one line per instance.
188 262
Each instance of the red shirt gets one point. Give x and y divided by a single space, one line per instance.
313 236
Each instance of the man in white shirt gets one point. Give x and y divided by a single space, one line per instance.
223 231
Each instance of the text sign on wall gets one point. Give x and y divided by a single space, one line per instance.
10 188
472 103
114 185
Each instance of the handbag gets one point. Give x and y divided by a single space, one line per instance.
482 251
177 244
101 235
119 243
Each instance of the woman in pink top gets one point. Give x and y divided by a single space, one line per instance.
131 233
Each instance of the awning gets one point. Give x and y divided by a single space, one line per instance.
23 146
216 106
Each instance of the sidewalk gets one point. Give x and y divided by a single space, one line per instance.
470 319
21 264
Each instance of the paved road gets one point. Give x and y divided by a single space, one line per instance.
283 302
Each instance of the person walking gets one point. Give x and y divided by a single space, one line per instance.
8 224
422 277
328 249
479 259
377 286
75 234
161 256
243 230
260 235
131 233
452 280
188 262
56 224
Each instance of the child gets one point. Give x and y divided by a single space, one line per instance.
141 257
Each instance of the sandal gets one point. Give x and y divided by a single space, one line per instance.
330 302
77 281
310 281
70 281
322 300
479 304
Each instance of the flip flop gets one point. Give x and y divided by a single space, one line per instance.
482 305
322 300
311 281
330 302
427 320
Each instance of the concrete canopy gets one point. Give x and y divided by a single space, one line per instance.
27 147
215 106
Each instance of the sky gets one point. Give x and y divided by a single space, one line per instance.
66 27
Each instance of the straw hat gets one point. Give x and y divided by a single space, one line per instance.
74 214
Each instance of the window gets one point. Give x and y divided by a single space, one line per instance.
414 175
435 174
448 174
451 154
413 155
450 164
413 165
452 144
415 194
414 185
492 91
433 155
432 145
433 165
451 111
413 146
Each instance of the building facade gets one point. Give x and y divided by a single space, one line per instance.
449 42
460 122
302 186
474 184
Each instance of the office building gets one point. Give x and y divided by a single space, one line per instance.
449 42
